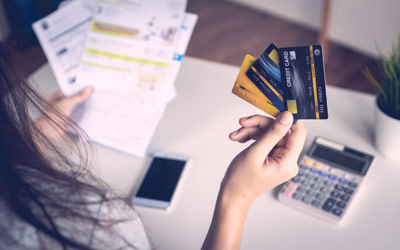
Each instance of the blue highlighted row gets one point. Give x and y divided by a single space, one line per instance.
330 176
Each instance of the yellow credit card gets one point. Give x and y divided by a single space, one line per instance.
248 91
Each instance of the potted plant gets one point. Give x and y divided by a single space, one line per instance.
387 104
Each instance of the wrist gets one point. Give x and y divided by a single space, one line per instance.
229 201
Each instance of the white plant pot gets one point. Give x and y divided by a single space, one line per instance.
387 134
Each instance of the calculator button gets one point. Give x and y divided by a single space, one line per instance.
306 199
328 205
353 184
341 204
332 177
335 194
345 197
308 176
302 166
314 170
349 191
314 186
328 183
317 165
324 190
289 189
305 182
323 174
310 193
296 196
318 179
339 187
320 196
343 181
307 162
300 189
337 211
296 179
300 173
316 203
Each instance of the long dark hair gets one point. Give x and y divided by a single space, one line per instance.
41 186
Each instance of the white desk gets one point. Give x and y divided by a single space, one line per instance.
197 124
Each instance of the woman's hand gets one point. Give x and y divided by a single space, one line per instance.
268 162
55 132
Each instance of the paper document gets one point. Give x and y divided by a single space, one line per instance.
132 43
132 65
62 37
184 35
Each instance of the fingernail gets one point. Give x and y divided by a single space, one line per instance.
284 118
235 132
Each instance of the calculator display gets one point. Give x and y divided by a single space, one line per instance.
340 158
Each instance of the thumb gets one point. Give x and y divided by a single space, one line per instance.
263 146
83 95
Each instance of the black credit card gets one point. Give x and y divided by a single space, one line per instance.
303 81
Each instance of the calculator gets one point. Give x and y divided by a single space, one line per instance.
329 176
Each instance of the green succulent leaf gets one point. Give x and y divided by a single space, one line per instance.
388 88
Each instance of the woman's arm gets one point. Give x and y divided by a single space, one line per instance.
268 162
227 223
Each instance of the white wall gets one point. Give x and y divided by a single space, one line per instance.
4 29
359 24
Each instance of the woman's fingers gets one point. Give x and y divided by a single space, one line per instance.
282 143
82 96
55 97
259 121
58 97
67 104
263 146
252 128
295 140
245 134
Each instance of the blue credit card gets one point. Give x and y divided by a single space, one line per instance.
268 66
265 74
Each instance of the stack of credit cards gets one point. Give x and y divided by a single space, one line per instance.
282 79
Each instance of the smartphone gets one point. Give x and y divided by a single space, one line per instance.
161 180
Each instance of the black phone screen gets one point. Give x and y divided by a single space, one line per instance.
161 179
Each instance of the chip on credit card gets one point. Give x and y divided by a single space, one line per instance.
289 78
303 81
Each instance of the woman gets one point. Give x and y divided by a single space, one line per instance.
50 200
48 197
